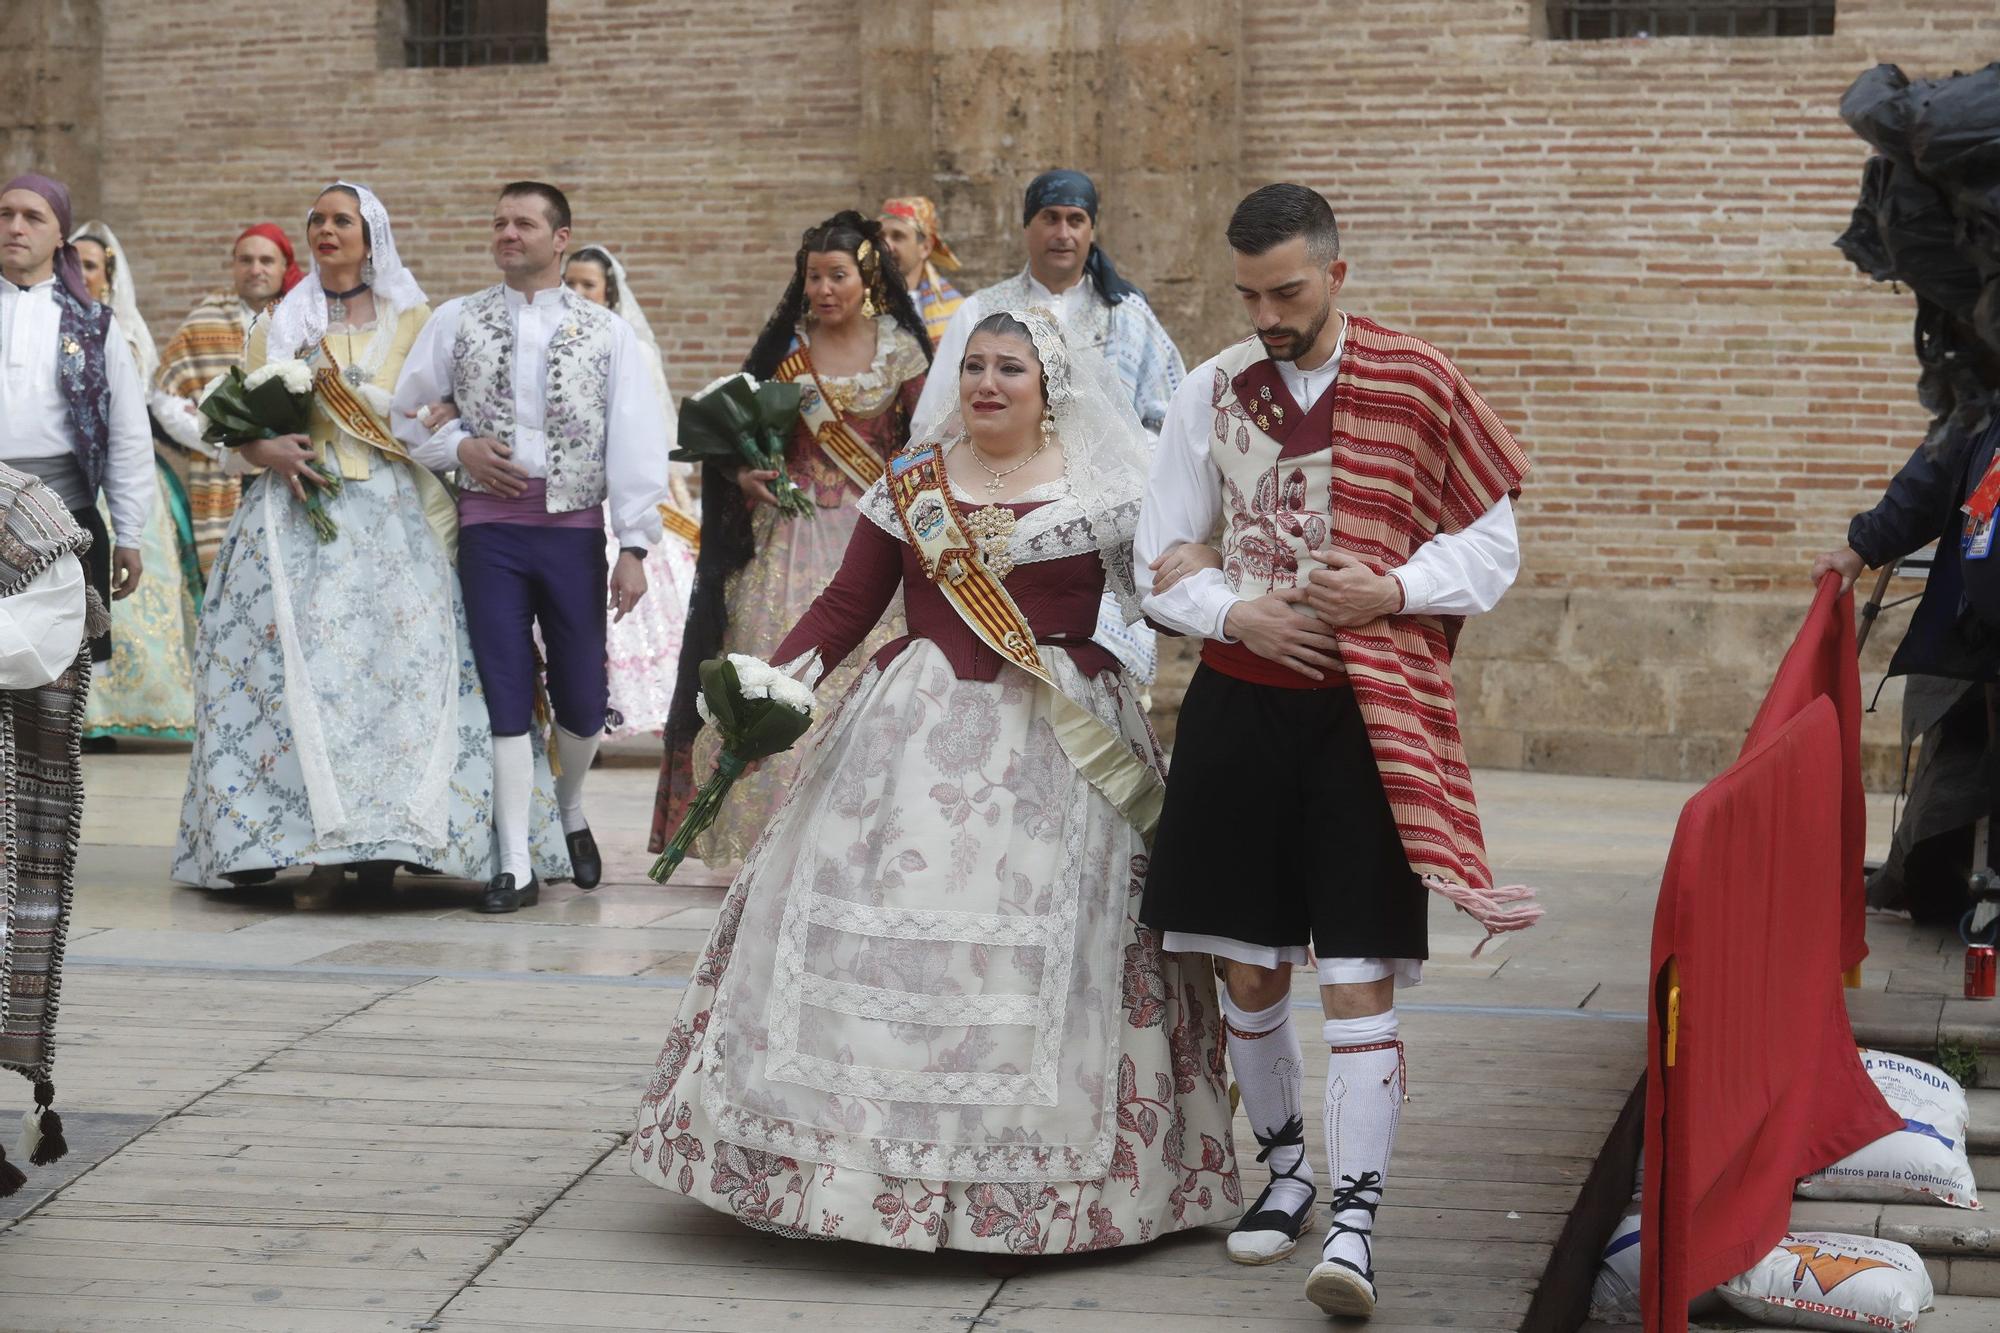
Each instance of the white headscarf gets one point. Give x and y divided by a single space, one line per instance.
124 298
628 309
1105 453
299 322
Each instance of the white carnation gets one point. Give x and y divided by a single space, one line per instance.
297 376
701 707
713 385
758 679
792 694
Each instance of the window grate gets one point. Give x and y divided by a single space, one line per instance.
1604 20
450 34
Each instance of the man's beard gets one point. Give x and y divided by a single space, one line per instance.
1299 343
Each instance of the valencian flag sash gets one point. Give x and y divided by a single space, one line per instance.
862 465
921 493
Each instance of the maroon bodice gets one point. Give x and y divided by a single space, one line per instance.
1059 597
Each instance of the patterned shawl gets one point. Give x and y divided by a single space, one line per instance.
208 342
41 807
1416 452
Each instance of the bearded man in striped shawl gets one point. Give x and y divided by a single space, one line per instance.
208 342
46 609
1364 491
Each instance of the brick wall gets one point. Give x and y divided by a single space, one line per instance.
695 142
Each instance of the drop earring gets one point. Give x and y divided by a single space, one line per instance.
368 271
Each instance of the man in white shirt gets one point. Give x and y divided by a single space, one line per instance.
1070 275
72 407
555 413
1364 492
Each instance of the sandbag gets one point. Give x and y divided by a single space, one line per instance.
1819 1279
1614 1296
1923 1162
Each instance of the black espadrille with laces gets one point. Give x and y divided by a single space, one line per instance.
1267 1234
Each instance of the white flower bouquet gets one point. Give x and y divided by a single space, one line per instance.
274 399
760 712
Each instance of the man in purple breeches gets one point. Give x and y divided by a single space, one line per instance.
556 413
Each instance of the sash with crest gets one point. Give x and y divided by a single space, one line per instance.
847 451
957 563
343 406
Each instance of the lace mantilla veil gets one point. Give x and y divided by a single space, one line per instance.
124 300
1105 453
299 322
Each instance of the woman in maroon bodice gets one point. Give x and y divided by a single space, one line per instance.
927 1017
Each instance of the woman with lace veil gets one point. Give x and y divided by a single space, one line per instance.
927 1017
145 688
642 651
848 334
338 718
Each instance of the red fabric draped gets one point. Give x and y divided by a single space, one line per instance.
1754 913
1820 661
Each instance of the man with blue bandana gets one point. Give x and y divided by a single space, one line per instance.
1069 275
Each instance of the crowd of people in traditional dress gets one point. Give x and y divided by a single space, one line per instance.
962 990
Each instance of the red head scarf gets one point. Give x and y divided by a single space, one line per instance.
275 234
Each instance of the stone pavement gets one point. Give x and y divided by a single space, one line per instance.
404 1115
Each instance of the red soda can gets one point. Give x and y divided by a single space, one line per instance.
1979 968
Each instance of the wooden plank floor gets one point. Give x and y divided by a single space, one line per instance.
406 1116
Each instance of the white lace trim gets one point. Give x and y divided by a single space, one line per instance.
902 1006
902 923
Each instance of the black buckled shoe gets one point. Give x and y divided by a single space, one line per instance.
1336 1285
1266 1234
532 894
584 859
500 895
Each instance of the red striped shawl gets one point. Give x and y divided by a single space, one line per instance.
1415 451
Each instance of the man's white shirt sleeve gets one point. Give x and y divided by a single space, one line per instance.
1183 504
128 468
1463 573
635 444
426 379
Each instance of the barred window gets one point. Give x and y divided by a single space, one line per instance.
453 33
1600 20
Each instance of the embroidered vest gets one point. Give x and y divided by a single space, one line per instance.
1277 473
1397 449
579 390
84 380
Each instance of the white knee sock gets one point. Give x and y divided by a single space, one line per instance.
1264 1056
573 756
513 792
1364 1100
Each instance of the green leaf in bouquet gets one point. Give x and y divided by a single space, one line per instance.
722 692
774 729
777 406
278 409
712 426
